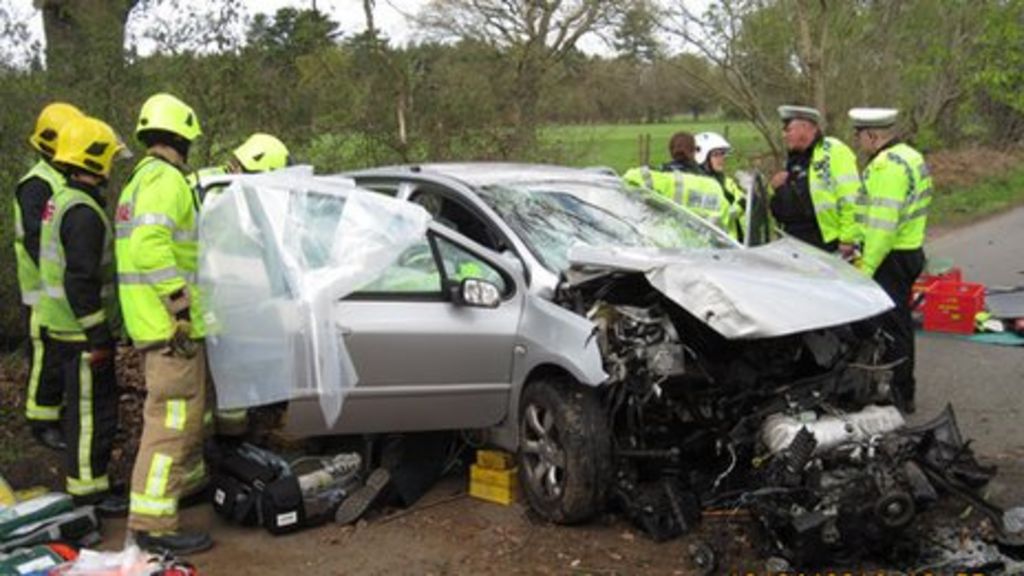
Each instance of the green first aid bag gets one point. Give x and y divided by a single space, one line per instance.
31 511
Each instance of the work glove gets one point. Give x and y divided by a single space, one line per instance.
181 344
101 357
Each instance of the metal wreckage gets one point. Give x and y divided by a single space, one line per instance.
798 429
691 377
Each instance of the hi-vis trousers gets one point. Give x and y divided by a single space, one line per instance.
45 394
89 418
170 460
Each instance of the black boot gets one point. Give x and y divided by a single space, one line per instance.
106 505
49 435
178 543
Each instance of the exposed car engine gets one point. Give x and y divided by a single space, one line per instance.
799 429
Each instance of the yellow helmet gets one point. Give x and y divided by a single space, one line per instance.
48 125
262 153
165 112
89 144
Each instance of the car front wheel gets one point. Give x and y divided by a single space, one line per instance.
564 451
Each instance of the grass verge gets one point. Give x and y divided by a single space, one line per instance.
958 205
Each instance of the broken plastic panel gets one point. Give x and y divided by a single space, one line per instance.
276 250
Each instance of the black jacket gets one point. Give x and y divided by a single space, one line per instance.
791 204
32 196
81 234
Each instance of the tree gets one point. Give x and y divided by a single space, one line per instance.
635 37
84 39
536 35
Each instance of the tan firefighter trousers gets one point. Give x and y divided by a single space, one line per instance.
169 464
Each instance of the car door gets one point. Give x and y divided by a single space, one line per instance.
425 362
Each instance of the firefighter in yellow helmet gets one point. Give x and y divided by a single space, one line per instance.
157 261
78 306
260 153
44 397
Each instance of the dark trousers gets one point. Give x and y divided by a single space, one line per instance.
89 419
44 394
896 276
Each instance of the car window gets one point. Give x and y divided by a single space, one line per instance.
460 264
458 217
553 216
415 272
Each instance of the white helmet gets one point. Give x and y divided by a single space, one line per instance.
708 141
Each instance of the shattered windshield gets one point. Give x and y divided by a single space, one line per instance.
553 216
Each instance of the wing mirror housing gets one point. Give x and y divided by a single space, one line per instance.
476 293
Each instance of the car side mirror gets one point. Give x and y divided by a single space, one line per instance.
476 293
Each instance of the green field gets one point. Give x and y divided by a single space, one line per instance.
616 145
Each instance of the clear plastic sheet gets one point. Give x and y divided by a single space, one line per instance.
276 252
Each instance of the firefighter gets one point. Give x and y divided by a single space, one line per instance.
260 153
898 192
712 149
78 307
44 396
683 181
157 260
816 197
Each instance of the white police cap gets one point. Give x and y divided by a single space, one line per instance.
873 117
790 112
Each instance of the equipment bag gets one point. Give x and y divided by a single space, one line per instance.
31 511
281 508
237 485
34 560
79 527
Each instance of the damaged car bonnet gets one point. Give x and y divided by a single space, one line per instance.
777 289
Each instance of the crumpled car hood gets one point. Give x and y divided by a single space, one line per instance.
780 288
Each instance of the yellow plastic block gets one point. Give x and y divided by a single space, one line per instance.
494 459
498 478
496 494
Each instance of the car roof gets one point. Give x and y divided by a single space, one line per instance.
479 174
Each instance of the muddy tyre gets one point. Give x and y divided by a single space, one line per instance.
564 451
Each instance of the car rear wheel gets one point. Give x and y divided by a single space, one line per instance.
564 451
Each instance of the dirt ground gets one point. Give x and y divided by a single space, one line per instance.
447 532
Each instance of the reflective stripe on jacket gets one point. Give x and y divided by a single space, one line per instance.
156 247
29 281
55 312
899 192
836 191
701 194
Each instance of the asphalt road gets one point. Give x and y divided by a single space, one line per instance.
985 383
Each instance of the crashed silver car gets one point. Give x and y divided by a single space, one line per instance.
625 350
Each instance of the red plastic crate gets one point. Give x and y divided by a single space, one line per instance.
924 281
950 306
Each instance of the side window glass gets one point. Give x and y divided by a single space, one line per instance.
460 264
415 272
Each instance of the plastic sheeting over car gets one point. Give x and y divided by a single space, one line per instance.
276 251
780 288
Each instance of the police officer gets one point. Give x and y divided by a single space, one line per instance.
712 149
899 190
684 182
260 153
78 307
816 197
157 260
44 396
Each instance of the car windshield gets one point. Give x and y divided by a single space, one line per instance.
552 216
